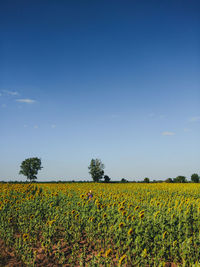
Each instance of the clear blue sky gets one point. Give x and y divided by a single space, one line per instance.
115 80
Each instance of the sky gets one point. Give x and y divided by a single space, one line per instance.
114 80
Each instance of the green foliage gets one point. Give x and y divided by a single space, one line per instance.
96 169
180 179
30 167
123 180
169 180
195 178
146 180
124 225
106 179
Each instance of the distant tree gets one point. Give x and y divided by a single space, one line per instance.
106 179
180 179
96 169
30 167
123 180
146 180
195 178
169 180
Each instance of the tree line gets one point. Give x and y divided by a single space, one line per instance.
30 167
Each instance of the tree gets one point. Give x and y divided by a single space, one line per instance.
106 179
96 169
146 180
195 178
169 180
30 167
180 179
123 180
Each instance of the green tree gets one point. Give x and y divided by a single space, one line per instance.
146 180
195 178
30 167
106 179
123 180
96 169
169 180
180 179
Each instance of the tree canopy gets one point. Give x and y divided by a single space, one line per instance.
146 180
96 169
106 179
30 167
180 179
195 178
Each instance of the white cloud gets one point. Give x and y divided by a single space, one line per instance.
26 100
194 119
168 133
36 127
53 126
12 93
186 130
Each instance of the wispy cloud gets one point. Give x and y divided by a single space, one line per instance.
53 126
12 93
194 119
26 100
168 133
36 127
187 130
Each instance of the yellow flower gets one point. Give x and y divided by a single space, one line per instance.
51 222
99 224
77 216
101 253
133 218
128 218
104 215
122 259
141 215
108 252
25 237
144 253
91 219
136 208
173 215
156 214
121 225
164 235
121 209
124 213
130 231
73 211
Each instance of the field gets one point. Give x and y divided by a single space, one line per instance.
122 225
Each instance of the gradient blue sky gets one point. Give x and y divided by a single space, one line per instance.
115 80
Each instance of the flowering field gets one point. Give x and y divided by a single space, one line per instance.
121 225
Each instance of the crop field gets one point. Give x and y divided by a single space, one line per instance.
121 225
